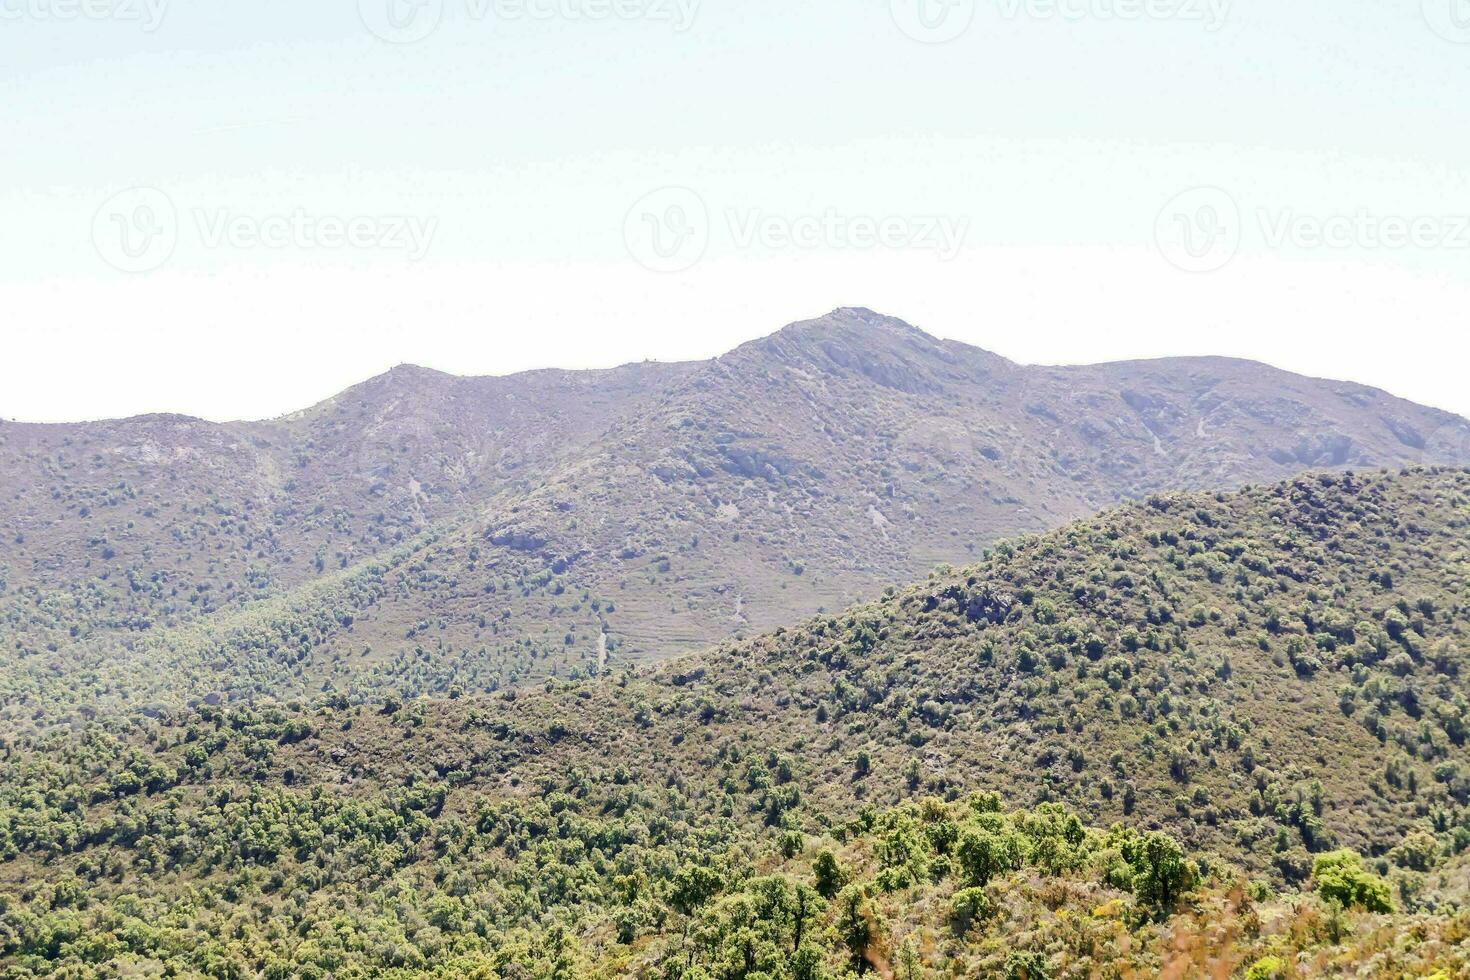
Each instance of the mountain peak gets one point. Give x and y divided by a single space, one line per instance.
884 350
406 371
406 379
860 319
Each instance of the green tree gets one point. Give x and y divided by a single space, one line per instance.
830 875
855 924
1161 872
968 907
807 963
984 855
1340 877
693 887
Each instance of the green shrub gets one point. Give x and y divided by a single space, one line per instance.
1340 877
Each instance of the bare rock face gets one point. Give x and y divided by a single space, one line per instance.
989 607
984 606
555 521
519 539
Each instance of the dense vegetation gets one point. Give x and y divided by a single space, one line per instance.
1231 727
609 878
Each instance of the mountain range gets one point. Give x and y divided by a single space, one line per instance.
425 533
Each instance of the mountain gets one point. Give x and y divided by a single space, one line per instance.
422 532
1205 734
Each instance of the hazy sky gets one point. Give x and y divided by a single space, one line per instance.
235 209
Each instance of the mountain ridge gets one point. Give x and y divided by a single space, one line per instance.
883 324
552 522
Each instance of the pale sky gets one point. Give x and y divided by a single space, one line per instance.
233 210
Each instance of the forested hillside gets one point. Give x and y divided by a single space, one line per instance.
421 531
1255 700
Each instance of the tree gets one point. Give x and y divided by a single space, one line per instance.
984 855
855 921
1341 878
694 886
829 874
1161 873
969 906
807 963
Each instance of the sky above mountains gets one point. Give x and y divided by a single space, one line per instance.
233 211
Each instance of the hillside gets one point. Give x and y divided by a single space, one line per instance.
1245 684
422 531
